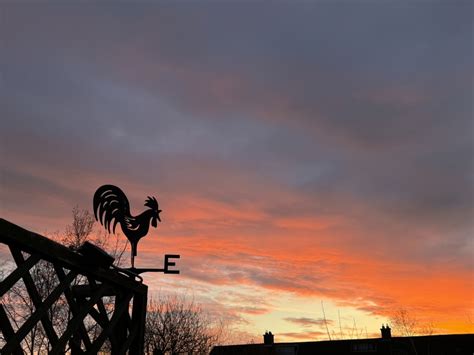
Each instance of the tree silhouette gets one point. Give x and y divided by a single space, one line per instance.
175 325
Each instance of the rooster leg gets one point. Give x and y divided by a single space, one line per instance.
133 261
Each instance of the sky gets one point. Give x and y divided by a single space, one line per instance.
307 156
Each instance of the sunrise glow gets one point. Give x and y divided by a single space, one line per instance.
307 157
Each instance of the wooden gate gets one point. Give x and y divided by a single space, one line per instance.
104 309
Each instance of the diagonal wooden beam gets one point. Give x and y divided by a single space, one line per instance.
100 303
100 315
132 336
7 330
76 321
5 325
39 314
99 318
73 306
34 295
17 274
119 311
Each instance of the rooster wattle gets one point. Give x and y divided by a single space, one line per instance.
111 205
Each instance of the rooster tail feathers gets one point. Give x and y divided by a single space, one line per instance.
110 204
115 224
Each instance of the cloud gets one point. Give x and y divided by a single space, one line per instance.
251 310
303 336
309 322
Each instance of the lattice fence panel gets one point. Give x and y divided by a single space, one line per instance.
54 299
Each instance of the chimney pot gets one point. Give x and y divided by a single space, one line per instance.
268 338
386 332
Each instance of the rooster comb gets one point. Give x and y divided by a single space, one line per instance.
152 203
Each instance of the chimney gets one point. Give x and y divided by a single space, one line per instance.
386 332
268 338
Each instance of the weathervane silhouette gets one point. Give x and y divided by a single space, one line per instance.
111 205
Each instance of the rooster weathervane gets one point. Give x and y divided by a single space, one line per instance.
111 207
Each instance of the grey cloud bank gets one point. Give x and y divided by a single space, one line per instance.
367 103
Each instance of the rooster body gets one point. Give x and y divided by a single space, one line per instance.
111 207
